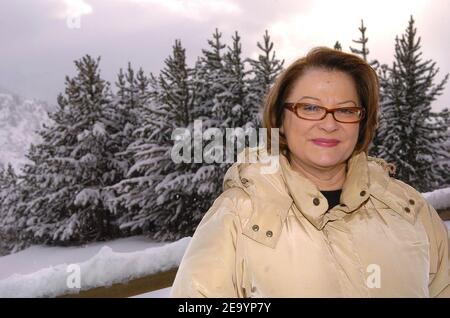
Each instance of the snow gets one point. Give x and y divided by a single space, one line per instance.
82 135
105 268
439 199
87 196
99 129
37 257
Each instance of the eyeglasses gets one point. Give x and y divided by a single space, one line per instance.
314 112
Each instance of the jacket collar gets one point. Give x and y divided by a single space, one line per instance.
311 202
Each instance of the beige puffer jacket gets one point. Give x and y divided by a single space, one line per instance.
270 235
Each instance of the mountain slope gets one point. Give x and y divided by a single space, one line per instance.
19 120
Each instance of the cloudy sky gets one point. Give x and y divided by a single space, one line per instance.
40 39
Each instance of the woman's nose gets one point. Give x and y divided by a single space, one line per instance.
329 123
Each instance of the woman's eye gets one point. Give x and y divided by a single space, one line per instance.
346 111
311 108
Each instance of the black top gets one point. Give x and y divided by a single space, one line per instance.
333 197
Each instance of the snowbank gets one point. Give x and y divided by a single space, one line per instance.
104 269
439 199
37 257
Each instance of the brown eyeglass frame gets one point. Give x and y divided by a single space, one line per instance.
293 106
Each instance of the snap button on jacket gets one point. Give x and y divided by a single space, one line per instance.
274 235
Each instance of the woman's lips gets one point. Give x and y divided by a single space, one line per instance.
325 142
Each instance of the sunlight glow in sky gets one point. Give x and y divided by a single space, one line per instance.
77 8
193 9
326 19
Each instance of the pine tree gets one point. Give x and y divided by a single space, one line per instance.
158 191
264 71
176 213
75 162
388 98
207 82
29 188
224 104
210 101
412 135
443 164
10 225
364 51
213 104
133 96
8 180
230 105
374 149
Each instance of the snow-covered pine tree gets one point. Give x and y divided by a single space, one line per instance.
135 195
230 104
10 225
22 216
207 80
413 135
133 94
159 191
442 162
177 211
8 180
388 114
74 164
264 71
208 83
222 97
42 211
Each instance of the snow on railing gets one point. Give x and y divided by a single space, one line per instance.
439 199
104 269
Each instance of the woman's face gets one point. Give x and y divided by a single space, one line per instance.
330 89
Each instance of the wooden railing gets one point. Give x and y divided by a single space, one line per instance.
444 214
132 288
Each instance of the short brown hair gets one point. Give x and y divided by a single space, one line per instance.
364 77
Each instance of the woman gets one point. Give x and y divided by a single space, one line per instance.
330 222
